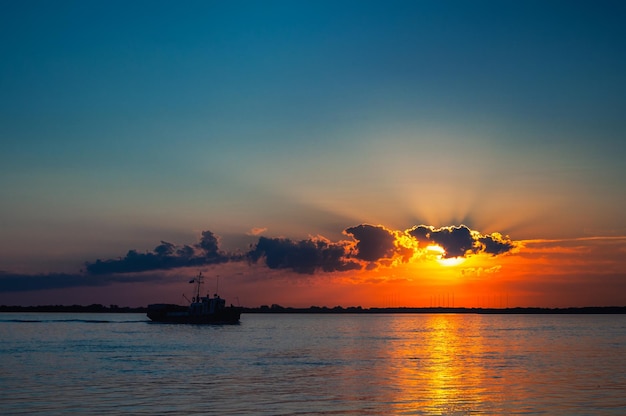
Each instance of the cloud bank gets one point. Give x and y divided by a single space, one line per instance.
367 247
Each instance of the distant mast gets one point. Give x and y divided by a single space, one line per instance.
198 281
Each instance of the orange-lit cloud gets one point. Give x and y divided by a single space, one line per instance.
377 244
257 230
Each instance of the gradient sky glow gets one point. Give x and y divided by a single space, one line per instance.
128 123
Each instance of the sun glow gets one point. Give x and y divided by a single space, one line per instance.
439 253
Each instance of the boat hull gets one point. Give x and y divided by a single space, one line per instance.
180 315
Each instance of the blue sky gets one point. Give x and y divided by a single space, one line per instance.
126 123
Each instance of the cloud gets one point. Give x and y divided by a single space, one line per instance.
257 231
461 241
305 256
374 242
209 244
163 257
456 241
478 271
496 244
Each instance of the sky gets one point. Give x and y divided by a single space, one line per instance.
370 153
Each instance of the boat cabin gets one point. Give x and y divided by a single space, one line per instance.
207 305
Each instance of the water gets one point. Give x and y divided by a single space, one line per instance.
314 364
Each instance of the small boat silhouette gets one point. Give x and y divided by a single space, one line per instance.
201 310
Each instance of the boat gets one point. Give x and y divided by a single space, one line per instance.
201 309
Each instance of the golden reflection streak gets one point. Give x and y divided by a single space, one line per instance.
441 373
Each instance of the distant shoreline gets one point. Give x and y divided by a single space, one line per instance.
277 309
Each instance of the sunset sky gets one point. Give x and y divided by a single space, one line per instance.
372 153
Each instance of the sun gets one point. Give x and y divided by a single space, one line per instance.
439 252
452 261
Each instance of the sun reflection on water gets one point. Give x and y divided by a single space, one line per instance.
437 367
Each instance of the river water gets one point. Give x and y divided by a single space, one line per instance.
431 364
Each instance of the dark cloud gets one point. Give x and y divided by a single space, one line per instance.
461 241
306 256
374 242
164 256
164 249
209 244
185 251
456 241
496 244
421 233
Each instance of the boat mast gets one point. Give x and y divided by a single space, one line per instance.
199 281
